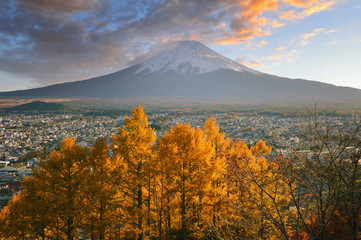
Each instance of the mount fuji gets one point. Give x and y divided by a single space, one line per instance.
193 70
190 57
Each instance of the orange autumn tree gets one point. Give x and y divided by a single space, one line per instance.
166 212
262 194
15 219
134 143
187 156
100 193
51 205
41 221
218 162
27 214
62 179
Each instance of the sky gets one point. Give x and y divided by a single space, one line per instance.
43 42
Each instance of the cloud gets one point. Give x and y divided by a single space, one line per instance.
300 3
59 6
317 7
262 43
253 63
256 64
307 36
57 40
309 8
284 56
325 31
257 45
242 61
276 24
280 49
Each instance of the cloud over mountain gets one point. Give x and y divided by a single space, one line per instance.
56 40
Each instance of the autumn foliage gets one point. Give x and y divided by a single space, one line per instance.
188 184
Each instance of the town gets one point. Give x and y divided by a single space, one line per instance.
25 139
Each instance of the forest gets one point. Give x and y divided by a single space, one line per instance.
193 183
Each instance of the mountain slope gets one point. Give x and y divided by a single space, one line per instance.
192 70
190 57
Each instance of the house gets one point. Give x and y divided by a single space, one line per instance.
24 172
34 162
9 170
4 163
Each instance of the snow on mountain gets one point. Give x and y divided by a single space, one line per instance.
190 57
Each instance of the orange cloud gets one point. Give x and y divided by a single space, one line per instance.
300 3
306 37
253 63
326 31
254 8
309 7
256 64
276 24
262 43
242 36
241 61
318 7
288 15
288 56
279 49
222 26
247 19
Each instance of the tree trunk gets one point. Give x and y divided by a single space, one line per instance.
183 213
101 231
140 217
70 228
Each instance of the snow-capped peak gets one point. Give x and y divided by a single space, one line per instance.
190 57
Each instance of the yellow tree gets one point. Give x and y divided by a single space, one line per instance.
263 192
134 143
14 222
167 212
62 180
218 194
188 157
36 208
100 191
50 206
29 213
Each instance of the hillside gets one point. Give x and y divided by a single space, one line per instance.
38 106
